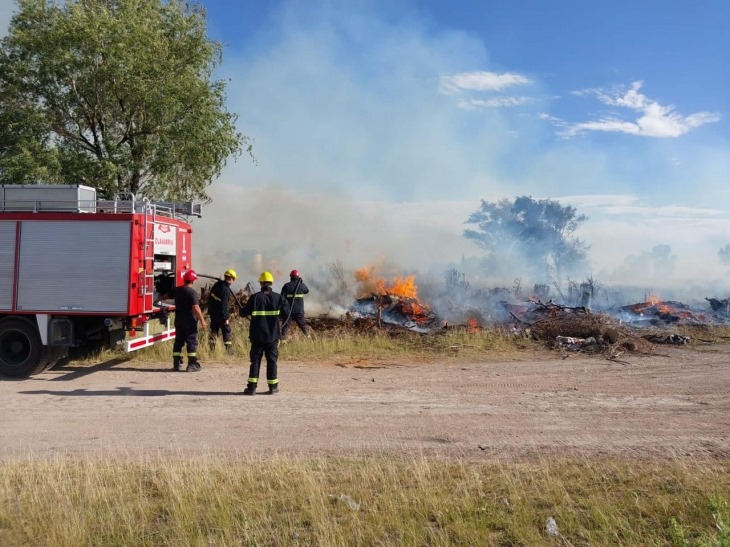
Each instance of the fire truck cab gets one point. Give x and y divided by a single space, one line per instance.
80 273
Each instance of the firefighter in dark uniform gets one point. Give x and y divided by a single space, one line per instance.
219 312
294 292
187 315
264 308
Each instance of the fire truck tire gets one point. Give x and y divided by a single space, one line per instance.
21 349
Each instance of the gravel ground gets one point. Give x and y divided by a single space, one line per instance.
675 403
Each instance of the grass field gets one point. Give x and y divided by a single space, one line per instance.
413 501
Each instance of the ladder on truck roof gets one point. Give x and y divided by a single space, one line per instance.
63 198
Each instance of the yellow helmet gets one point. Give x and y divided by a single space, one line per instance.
266 277
230 273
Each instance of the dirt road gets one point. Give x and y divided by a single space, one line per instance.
673 404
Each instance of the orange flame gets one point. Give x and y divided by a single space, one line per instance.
659 304
370 283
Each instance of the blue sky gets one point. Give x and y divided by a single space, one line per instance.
378 128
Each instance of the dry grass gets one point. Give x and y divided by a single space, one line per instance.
371 501
362 340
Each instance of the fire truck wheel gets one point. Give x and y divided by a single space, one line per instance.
20 348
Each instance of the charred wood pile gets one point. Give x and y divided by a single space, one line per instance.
396 310
656 312
574 328
588 333
536 310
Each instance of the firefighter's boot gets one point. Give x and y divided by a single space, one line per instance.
230 350
193 364
273 389
176 362
250 389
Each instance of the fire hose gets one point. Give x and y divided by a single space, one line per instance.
291 307
229 288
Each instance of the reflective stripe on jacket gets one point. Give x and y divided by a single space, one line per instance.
264 308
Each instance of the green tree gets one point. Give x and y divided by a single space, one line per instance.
537 235
115 94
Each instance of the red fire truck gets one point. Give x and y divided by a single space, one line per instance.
79 274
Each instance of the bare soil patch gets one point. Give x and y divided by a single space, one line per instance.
672 404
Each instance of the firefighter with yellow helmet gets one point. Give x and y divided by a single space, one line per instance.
264 308
218 309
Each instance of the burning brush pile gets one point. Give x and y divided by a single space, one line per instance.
395 306
610 332
657 312
636 328
575 329
394 303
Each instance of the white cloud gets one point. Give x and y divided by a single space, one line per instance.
656 120
481 81
497 102
599 200
626 204
668 211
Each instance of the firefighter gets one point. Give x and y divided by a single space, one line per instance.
294 292
219 311
264 307
187 315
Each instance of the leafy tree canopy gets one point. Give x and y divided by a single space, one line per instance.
537 234
114 94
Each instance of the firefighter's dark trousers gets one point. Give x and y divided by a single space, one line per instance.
218 324
297 318
272 356
185 336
